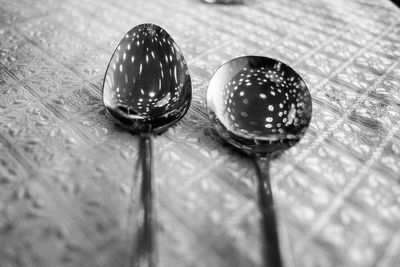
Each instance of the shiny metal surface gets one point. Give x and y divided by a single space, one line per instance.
259 104
147 84
147 89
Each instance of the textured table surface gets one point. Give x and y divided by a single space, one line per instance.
66 191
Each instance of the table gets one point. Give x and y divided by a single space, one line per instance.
66 170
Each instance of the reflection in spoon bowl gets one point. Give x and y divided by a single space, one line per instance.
261 106
147 84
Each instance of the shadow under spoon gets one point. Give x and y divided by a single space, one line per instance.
147 88
262 107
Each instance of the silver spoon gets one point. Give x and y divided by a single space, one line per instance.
147 88
261 106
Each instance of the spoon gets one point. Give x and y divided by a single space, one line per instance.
147 88
260 106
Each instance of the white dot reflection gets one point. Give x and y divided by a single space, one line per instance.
175 75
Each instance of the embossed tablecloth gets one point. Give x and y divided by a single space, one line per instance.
66 195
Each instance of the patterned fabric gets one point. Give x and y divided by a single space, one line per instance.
67 197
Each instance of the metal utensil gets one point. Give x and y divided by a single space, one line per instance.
147 88
261 106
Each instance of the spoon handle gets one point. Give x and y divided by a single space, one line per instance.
146 249
270 242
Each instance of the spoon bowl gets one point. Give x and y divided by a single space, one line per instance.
261 106
147 88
